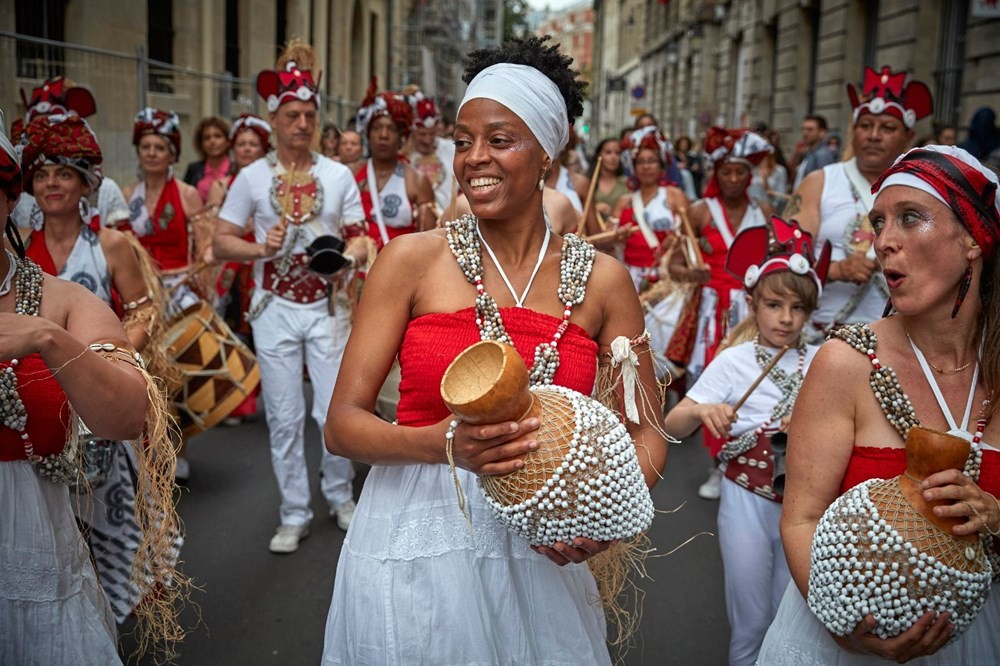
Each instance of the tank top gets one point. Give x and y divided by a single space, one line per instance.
165 233
564 184
844 222
390 205
660 221
86 264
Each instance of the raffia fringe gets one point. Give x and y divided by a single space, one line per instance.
615 571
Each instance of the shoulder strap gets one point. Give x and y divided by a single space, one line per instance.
859 336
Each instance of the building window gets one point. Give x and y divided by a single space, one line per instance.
868 52
280 25
951 56
233 37
160 42
40 18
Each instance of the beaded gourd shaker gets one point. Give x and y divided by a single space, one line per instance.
584 480
876 551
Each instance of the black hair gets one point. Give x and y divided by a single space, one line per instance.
534 52
818 119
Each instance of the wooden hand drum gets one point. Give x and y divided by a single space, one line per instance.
584 479
879 549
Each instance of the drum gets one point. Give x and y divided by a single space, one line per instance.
879 549
218 370
584 479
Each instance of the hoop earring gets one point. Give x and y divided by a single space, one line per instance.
963 290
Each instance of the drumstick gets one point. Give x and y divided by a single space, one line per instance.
600 220
610 234
590 195
682 213
779 195
194 270
774 361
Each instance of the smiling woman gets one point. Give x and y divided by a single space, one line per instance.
410 567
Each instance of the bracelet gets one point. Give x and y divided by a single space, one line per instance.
112 353
133 305
996 503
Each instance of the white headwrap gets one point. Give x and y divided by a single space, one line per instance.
531 95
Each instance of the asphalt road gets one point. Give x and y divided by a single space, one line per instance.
254 607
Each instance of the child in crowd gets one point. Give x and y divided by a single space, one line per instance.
776 264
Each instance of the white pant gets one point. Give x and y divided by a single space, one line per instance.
281 334
756 573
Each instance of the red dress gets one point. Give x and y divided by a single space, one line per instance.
47 408
434 340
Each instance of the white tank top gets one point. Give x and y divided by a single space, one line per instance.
87 265
564 184
395 205
844 222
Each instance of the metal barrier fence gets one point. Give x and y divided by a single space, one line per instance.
123 83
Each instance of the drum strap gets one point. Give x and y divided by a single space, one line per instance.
639 213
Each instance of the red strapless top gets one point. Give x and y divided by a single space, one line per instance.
719 279
433 341
869 462
48 412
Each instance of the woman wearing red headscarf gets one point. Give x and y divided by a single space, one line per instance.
160 205
397 198
937 232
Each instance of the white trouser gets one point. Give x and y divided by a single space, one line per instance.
756 573
281 334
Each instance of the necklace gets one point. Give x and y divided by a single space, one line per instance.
942 371
518 300
11 269
574 269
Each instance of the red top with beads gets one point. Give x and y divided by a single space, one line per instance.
870 462
47 408
433 341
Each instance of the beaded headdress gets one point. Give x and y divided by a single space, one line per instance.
161 123
779 246
61 140
56 97
647 137
255 124
886 92
389 104
958 180
10 166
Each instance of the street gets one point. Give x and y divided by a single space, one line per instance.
253 607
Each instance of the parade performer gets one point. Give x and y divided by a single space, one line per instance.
611 181
350 151
58 96
648 211
160 205
432 155
250 139
66 355
61 163
294 196
833 203
934 363
410 567
775 264
397 198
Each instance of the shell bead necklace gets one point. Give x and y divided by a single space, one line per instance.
574 268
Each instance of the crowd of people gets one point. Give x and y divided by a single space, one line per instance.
714 266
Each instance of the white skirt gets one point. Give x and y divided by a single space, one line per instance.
797 638
414 586
52 610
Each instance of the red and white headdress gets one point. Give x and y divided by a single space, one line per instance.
251 123
390 104
61 140
10 166
55 97
162 123
740 146
292 83
425 111
649 137
886 92
958 180
779 246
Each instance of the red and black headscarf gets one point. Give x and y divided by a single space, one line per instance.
956 179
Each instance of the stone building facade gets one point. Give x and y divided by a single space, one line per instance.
738 62
173 54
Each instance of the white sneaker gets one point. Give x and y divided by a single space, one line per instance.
343 512
183 471
286 539
712 487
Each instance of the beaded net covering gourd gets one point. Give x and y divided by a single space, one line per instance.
584 479
874 553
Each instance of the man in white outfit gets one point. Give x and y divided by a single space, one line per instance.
832 203
294 196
